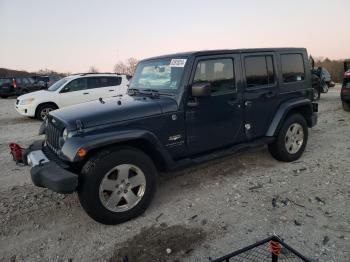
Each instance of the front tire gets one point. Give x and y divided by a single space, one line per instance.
117 185
43 110
291 139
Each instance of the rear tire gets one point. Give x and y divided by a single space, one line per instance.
346 106
117 185
43 110
291 140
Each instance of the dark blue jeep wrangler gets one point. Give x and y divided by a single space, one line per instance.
181 109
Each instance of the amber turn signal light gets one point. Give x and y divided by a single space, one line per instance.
82 152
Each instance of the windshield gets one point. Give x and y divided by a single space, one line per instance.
57 85
159 75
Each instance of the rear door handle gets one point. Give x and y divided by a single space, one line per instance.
86 93
111 90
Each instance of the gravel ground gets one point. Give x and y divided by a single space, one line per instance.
201 212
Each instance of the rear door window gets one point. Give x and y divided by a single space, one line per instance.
292 68
259 71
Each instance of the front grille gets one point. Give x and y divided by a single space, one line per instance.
52 156
53 134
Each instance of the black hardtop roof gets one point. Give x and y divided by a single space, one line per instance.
228 51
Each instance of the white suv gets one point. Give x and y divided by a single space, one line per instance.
71 90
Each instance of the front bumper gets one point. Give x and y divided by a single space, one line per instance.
314 115
52 176
314 118
47 173
25 110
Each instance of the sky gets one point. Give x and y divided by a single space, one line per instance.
72 35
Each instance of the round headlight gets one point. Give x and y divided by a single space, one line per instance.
65 134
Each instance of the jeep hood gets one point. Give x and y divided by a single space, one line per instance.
113 110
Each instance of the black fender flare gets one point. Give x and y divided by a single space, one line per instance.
284 109
105 139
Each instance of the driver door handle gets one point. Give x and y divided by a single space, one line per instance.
248 103
232 102
86 93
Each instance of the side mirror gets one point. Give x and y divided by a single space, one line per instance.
65 89
201 89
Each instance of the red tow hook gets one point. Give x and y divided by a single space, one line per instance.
16 152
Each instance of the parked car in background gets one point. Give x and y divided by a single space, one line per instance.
14 86
322 81
45 81
71 90
346 65
345 91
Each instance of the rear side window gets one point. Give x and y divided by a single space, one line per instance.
219 72
259 71
292 68
5 81
18 81
25 80
96 82
110 81
31 80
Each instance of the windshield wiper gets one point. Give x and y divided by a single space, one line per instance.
133 91
148 92
155 93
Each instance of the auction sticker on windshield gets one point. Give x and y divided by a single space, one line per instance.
178 62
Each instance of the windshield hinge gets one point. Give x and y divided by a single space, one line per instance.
79 125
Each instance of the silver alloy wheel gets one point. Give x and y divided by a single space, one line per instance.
122 188
294 138
44 112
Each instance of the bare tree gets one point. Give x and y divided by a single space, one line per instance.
126 68
120 68
93 69
131 65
